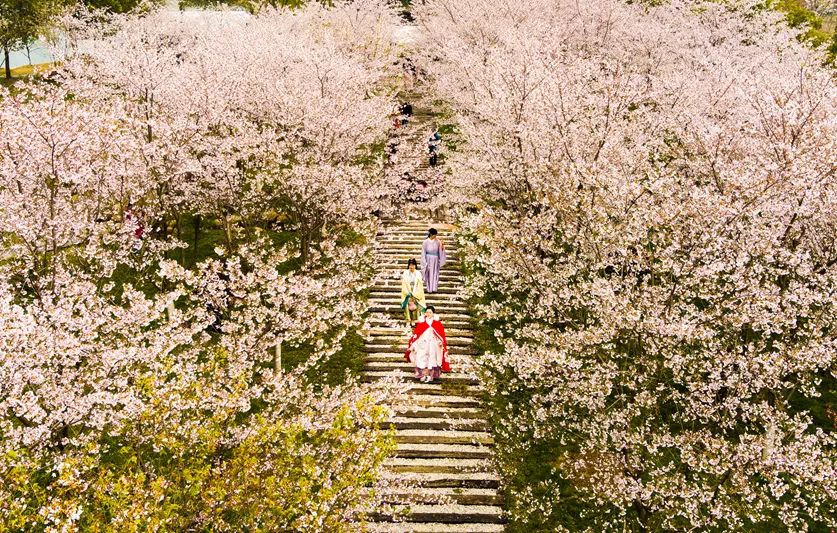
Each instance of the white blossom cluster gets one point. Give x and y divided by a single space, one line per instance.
653 210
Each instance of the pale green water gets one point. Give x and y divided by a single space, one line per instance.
38 54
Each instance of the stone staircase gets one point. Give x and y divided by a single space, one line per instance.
444 447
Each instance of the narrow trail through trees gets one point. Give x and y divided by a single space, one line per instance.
441 430
441 473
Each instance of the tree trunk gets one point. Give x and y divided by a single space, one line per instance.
228 233
197 221
304 247
7 55
180 238
642 516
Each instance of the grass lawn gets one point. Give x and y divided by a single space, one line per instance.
22 72
331 371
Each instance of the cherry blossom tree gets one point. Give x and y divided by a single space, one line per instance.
653 193
136 393
283 115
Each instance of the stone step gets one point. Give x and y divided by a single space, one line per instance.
395 310
445 451
446 234
443 388
394 271
438 298
449 277
389 317
443 230
454 413
451 378
399 255
436 527
457 331
394 360
385 319
396 322
412 241
459 364
385 312
416 465
399 262
442 435
434 401
416 232
400 334
397 265
429 495
459 349
394 288
452 333
406 239
449 272
399 337
400 258
412 244
395 224
459 310
484 480
448 514
398 331
438 426
448 283
393 297
392 365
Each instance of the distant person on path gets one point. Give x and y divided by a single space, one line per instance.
428 348
412 293
392 150
433 147
432 260
406 113
409 73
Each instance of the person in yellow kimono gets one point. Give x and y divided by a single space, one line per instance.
412 293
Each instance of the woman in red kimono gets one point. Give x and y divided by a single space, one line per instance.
428 348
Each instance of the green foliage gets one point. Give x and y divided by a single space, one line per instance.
119 6
281 476
798 16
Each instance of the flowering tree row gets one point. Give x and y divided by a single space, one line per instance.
138 392
656 205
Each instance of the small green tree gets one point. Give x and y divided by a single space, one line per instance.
22 21
798 16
